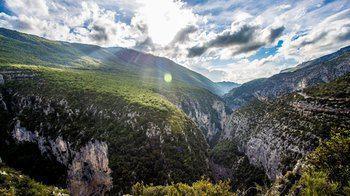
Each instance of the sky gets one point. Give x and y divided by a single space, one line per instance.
225 40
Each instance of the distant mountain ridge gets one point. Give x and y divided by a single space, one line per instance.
227 86
320 70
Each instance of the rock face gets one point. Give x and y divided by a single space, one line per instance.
274 135
89 173
88 170
207 111
212 125
2 80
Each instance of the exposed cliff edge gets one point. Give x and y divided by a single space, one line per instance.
275 135
211 122
88 170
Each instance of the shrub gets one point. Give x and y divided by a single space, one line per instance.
202 187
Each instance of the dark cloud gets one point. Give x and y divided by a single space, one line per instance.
276 33
99 33
183 35
248 48
142 27
242 36
145 45
22 25
196 51
345 36
314 40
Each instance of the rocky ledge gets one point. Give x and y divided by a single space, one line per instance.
88 170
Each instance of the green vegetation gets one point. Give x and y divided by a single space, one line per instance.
337 89
34 50
328 168
243 174
202 187
110 94
176 152
14 183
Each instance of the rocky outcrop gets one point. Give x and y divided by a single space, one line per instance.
88 169
211 118
274 129
2 80
89 173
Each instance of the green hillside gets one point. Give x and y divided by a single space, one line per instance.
148 138
185 89
35 50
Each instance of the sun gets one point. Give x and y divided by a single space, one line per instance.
165 19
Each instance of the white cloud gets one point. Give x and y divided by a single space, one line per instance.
28 7
164 19
327 36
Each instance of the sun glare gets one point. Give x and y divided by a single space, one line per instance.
168 77
164 19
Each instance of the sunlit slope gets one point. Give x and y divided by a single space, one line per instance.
30 49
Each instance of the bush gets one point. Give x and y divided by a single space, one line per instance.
328 172
317 183
202 187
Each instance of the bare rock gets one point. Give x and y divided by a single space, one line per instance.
89 173
88 168
2 80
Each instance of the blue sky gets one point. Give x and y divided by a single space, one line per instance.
225 40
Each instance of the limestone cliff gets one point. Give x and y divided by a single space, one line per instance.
275 135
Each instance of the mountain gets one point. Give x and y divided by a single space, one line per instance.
97 120
321 70
35 50
125 63
226 86
292 138
277 135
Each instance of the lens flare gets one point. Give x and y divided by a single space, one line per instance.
168 78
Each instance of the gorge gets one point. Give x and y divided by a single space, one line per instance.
95 121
